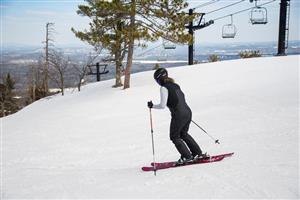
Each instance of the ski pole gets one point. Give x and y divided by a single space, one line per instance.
153 152
216 140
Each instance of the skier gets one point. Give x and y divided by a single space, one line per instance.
172 97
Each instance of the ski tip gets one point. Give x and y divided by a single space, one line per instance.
228 154
147 169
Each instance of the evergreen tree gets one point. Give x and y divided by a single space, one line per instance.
150 20
126 22
8 104
10 83
108 21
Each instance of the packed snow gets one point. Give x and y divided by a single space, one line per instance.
93 143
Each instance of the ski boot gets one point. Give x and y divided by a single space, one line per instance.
182 160
200 156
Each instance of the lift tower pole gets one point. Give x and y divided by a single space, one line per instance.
191 29
98 73
191 44
283 27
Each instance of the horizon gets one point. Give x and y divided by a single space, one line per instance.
180 45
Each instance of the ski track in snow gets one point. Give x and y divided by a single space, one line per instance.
93 143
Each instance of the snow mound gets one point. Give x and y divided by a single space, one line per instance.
93 143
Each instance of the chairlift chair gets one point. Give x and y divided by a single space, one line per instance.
168 45
162 56
229 30
258 15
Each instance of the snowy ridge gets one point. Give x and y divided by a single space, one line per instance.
92 144
158 62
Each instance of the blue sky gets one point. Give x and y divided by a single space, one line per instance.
23 21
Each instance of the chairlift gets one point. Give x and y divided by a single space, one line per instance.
258 15
229 30
168 45
162 56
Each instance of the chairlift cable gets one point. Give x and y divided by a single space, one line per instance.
141 54
243 10
205 4
224 7
214 1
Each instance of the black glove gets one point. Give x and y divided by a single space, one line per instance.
150 104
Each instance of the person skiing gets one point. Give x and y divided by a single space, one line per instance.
172 96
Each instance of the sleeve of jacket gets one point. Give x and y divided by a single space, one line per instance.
163 99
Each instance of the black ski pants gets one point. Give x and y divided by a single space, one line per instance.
184 143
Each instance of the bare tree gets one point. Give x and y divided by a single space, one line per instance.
48 48
58 64
82 71
84 68
35 80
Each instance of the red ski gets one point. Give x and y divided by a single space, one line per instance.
166 165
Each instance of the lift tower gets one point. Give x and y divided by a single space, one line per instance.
283 27
191 29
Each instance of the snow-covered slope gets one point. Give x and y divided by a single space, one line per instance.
92 144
